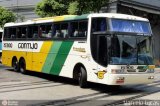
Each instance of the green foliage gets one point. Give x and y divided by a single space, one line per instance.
73 8
61 7
91 5
47 8
98 4
6 16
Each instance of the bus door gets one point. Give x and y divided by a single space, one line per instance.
100 50
102 55
103 48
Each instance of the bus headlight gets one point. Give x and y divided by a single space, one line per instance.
150 71
117 71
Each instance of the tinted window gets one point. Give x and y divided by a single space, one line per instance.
34 31
11 33
6 32
73 29
23 32
99 24
57 31
0 36
45 31
130 26
82 29
49 31
78 29
64 30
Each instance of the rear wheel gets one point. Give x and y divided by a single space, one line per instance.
22 67
15 64
82 77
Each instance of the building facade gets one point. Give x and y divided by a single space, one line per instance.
144 8
24 9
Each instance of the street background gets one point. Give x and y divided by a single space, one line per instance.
37 89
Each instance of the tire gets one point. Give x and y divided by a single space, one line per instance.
22 66
82 78
15 65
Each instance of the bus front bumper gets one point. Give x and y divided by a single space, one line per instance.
129 79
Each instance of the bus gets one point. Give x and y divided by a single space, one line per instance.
1 32
106 48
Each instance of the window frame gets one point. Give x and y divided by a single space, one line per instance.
67 38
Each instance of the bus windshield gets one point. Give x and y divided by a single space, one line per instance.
132 50
132 26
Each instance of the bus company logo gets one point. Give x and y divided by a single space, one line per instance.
8 45
79 49
100 74
28 45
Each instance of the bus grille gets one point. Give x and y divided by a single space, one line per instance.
142 70
131 70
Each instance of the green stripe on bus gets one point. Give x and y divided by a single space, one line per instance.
61 57
51 56
76 17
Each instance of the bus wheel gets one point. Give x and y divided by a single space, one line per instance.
15 64
82 78
22 66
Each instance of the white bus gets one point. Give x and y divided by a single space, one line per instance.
107 48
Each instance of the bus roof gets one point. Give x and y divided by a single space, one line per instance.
76 17
119 16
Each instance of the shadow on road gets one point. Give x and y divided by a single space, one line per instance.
111 90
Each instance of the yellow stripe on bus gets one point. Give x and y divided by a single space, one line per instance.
39 58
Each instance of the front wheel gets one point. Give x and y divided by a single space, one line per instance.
82 78
22 65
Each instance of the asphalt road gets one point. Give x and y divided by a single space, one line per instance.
36 89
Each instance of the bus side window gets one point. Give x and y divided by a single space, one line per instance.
73 29
6 33
0 36
12 33
57 31
23 32
42 31
29 32
99 25
49 31
64 30
82 29
35 32
18 32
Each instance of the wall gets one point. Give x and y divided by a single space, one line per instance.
21 7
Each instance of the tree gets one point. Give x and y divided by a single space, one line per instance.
87 6
61 7
6 16
73 8
47 8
